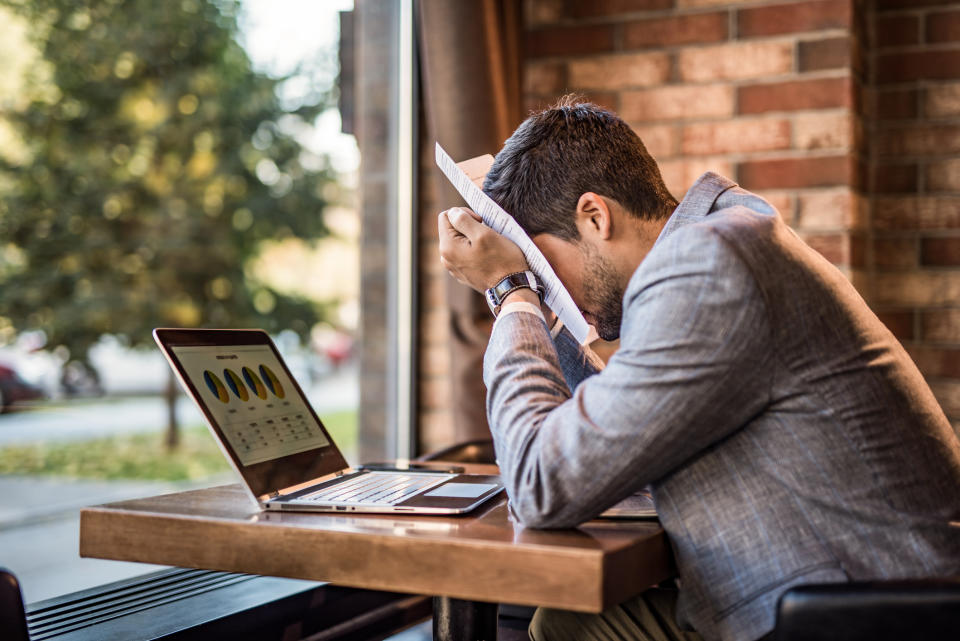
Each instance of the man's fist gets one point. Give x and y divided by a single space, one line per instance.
473 253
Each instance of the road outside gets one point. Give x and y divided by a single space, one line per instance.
39 516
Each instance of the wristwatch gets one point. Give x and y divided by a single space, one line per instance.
510 283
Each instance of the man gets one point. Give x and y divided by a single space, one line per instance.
786 435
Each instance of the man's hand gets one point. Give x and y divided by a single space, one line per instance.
473 253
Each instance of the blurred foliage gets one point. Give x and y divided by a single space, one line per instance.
143 456
154 161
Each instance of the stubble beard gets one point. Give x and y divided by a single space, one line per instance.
603 297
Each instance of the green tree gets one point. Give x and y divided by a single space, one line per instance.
155 162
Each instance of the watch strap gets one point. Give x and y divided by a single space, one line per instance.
510 283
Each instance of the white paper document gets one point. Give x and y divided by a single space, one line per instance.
556 297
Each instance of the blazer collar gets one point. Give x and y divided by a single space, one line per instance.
697 203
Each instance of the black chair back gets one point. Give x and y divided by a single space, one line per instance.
925 610
13 617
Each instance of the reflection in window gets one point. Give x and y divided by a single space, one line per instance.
161 164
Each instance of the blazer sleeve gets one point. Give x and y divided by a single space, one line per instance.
693 367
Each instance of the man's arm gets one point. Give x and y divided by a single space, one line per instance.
578 362
471 245
691 369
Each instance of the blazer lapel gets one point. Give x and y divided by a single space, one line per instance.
697 203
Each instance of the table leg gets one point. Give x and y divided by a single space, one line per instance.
459 620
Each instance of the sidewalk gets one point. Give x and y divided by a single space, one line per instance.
26 500
40 531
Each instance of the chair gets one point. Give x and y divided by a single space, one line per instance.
918 610
13 617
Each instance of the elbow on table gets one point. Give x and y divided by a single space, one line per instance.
542 516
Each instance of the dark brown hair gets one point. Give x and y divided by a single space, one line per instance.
557 155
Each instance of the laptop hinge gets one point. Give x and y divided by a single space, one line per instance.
295 488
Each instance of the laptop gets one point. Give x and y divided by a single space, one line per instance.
281 449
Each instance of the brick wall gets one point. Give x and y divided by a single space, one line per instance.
763 92
845 114
780 97
914 65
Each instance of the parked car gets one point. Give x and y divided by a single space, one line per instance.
13 389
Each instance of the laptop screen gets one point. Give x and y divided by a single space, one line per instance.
254 406
252 400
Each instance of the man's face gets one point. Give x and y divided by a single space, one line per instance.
591 279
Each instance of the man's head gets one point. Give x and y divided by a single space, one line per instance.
580 182
558 154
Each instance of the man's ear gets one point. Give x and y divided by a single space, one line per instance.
593 216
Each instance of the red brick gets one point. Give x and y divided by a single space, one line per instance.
833 247
916 212
677 102
540 12
619 71
895 253
609 100
897 31
675 30
900 323
660 140
434 359
532 104
940 325
795 172
947 393
943 27
943 175
917 288
824 93
606 99
942 101
907 66
830 53
936 361
569 41
793 18
894 179
542 78
884 5
940 252
735 61
735 136
823 131
699 4
681 173
605 8
918 140
824 209
898 104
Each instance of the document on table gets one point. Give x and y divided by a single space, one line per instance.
556 295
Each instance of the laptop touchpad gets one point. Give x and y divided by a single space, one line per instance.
461 490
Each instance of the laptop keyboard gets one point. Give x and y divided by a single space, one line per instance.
377 489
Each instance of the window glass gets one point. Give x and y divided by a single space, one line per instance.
161 164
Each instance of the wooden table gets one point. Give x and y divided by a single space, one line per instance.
481 557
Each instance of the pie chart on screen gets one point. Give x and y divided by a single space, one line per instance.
254 383
216 386
273 383
236 384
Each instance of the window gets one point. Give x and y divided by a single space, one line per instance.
161 164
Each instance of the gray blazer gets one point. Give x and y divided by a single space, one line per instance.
787 435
